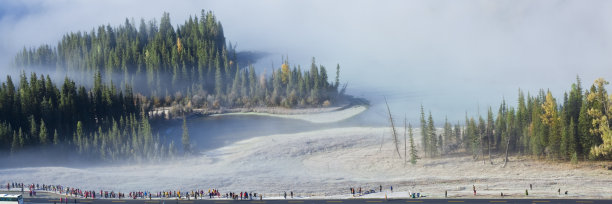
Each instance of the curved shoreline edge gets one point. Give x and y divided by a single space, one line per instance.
350 107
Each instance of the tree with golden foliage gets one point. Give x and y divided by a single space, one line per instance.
551 120
600 112
285 73
179 45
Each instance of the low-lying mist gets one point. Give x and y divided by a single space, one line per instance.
451 57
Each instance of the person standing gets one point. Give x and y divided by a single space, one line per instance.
474 188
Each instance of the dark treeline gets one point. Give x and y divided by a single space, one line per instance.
578 127
190 65
102 121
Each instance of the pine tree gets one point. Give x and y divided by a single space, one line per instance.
21 139
33 131
185 139
587 139
432 138
489 131
457 133
15 143
55 137
79 136
337 76
44 135
424 134
413 150
218 81
448 133
573 113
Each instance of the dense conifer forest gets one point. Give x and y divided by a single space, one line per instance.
192 64
133 70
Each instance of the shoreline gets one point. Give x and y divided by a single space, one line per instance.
276 111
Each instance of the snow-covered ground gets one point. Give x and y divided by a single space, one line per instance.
326 163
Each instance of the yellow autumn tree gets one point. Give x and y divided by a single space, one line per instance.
551 119
179 45
601 115
285 73
605 148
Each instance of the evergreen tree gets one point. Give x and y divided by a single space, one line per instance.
432 138
448 133
55 137
413 151
33 131
457 132
587 140
79 136
185 139
44 135
424 134
15 144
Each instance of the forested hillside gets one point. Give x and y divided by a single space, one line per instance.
577 127
191 64
132 70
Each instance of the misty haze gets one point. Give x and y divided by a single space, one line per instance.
354 101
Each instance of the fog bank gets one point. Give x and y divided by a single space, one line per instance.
450 56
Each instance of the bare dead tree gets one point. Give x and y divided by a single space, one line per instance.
482 148
507 147
489 147
393 129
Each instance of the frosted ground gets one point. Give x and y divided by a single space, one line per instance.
326 163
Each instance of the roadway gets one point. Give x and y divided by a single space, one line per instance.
308 201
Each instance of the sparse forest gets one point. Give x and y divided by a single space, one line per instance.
576 128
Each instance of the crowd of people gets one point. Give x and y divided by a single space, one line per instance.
89 194
71 192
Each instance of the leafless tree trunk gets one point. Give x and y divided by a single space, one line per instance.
507 147
489 147
393 130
